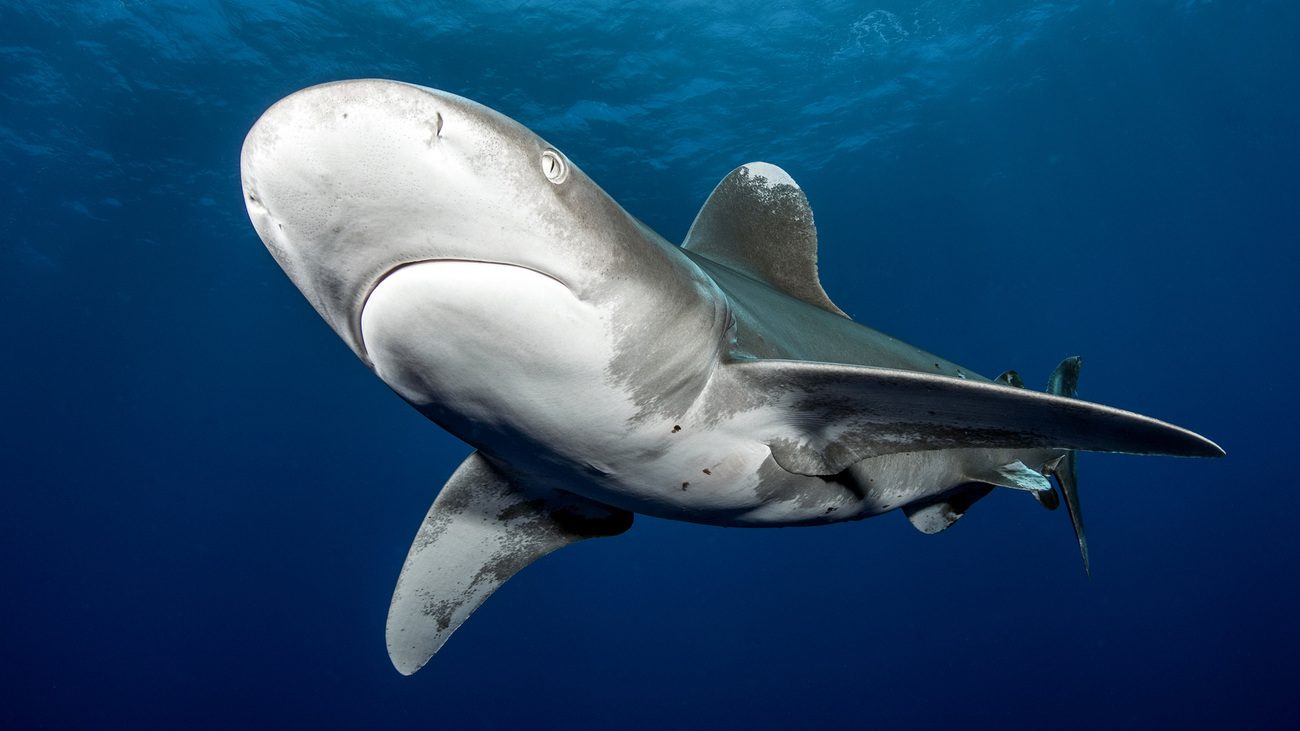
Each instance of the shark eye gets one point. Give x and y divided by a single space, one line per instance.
554 167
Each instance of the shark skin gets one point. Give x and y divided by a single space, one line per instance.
601 371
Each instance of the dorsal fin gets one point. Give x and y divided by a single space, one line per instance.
758 221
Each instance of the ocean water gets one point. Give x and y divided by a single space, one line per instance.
205 498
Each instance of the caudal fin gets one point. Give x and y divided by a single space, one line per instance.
1065 382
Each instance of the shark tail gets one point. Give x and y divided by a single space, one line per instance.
1064 382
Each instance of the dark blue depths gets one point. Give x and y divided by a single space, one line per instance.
206 499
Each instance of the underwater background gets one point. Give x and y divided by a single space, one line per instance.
205 498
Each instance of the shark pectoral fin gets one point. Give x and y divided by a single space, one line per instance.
940 512
825 417
481 530
758 221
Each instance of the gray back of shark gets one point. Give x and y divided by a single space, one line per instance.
601 371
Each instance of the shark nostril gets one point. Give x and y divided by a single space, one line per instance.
436 125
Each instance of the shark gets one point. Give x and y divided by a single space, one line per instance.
600 371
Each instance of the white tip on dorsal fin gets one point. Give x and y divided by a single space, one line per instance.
758 221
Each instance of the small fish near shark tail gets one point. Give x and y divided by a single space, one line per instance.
1064 382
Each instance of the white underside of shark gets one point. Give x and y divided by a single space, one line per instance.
602 371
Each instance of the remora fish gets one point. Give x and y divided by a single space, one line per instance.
601 371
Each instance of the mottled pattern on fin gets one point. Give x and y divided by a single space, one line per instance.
757 221
1014 475
939 513
480 531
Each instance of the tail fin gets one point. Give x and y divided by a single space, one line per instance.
1064 382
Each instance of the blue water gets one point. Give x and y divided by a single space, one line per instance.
205 497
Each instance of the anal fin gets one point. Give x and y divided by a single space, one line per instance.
482 529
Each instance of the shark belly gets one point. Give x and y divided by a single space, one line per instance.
497 354
546 410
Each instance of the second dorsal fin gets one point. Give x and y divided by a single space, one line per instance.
758 221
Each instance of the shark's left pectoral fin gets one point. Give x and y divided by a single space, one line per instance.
482 528
827 416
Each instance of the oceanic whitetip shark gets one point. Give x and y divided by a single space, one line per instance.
601 371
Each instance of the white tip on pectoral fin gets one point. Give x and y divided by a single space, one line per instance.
480 531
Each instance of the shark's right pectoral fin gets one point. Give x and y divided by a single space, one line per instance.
824 417
482 528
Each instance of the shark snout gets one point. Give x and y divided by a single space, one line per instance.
345 182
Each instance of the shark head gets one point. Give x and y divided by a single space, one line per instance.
459 255
351 181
